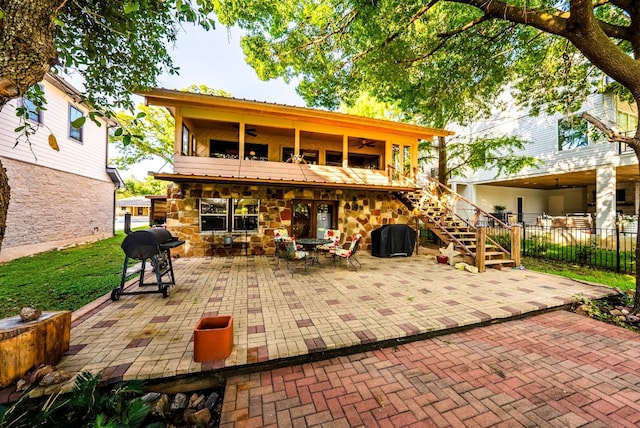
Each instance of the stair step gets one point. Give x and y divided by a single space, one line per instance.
494 253
498 262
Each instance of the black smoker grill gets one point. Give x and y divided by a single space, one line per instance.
154 245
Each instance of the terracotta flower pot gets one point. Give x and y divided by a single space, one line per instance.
213 338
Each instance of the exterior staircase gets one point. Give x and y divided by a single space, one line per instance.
477 235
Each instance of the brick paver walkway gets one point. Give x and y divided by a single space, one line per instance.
281 316
558 369
278 314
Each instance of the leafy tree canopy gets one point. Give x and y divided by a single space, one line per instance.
443 61
118 47
148 186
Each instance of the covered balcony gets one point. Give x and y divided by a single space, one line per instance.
225 139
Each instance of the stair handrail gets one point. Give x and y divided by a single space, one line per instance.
462 198
394 174
427 193
461 244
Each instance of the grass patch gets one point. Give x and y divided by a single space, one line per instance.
61 279
585 273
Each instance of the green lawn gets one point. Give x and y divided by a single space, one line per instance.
611 279
61 280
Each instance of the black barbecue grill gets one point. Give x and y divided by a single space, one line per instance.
153 245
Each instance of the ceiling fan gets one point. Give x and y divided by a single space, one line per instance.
365 143
247 130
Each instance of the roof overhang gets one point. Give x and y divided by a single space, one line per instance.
190 178
115 177
173 99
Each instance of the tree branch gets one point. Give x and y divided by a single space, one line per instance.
397 33
612 134
555 22
464 27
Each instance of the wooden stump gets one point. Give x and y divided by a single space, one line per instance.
25 345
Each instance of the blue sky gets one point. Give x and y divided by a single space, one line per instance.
214 58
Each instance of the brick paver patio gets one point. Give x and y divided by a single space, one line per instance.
477 377
556 369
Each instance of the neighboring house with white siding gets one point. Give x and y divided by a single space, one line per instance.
60 197
579 171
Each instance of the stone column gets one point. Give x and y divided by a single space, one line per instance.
606 196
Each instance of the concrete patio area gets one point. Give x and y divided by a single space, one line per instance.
279 315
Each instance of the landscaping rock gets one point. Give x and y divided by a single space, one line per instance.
196 401
161 407
212 400
150 397
199 418
29 314
54 378
179 402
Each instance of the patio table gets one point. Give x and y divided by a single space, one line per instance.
311 245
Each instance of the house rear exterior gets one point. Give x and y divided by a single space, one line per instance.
60 197
580 172
244 168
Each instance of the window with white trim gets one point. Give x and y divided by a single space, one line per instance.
34 113
572 133
229 215
75 132
627 123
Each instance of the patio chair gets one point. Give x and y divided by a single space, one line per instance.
293 255
350 253
279 236
334 236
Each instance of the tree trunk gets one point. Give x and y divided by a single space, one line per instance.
4 201
442 161
636 297
28 52
28 49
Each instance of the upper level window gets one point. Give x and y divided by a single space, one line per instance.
333 158
364 161
253 151
627 123
572 133
75 118
185 140
224 149
34 113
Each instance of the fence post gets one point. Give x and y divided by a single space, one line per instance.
481 243
515 244
617 249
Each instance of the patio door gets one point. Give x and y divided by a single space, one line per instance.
312 218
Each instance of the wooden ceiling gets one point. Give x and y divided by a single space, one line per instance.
624 174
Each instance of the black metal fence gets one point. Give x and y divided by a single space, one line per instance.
609 249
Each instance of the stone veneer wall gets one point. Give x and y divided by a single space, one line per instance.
53 207
359 212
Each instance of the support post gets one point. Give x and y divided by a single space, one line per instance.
515 244
481 244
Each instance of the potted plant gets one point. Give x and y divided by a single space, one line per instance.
499 213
